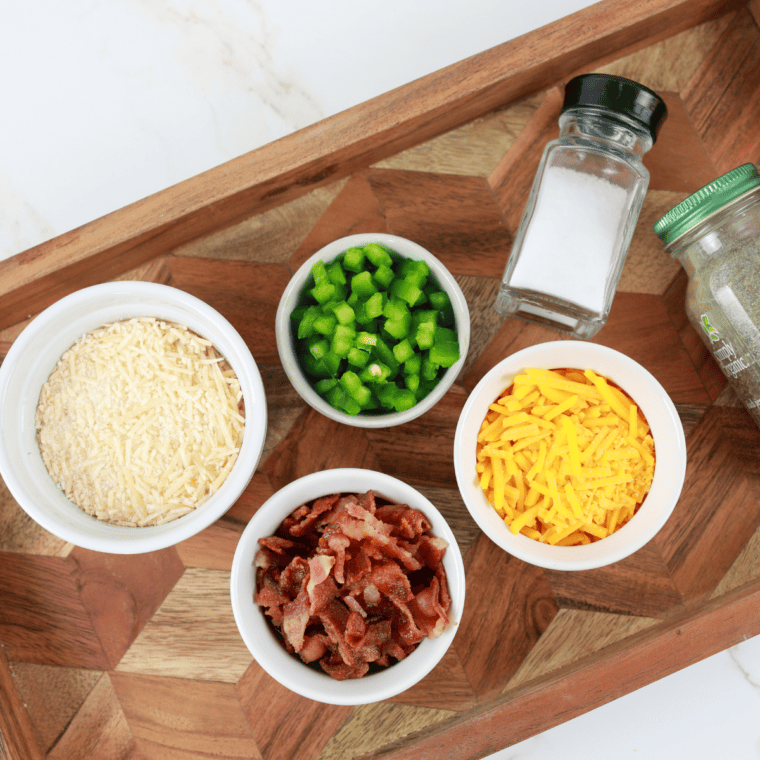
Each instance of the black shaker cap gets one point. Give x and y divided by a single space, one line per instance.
617 95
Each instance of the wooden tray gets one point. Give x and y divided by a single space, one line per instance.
138 657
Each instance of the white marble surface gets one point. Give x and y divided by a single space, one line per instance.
108 101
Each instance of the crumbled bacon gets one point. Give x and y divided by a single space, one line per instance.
353 581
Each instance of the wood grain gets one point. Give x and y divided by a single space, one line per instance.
719 509
245 296
334 148
637 585
195 616
122 592
572 635
285 724
396 722
42 616
355 210
177 719
648 267
419 450
53 696
452 217
313 445
723 97
637 661
513 177
17 736
509 604
99 731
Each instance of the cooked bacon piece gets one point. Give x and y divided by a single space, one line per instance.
367 501
353 605
351 581
408 632
428 610
337 544
334 666
269 593
313 648
319 570
294 576
295 618
356 628
429 551
371 595
321 594
335 620
356 568
276 544
308 520
390 579
406 522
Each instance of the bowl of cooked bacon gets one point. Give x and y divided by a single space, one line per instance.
347 586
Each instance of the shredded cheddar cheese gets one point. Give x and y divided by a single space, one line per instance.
140 422
564 457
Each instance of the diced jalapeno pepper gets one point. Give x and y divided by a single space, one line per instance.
362 285
353 259
319 271
306 325
335 273
343 340
343 313
445 354
323 292
357 357
383 276
325 324
374 305
377 255
403 351
322 386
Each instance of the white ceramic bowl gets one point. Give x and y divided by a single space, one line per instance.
29 363
263 642
652 400
289 300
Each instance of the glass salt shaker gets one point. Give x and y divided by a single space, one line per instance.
580 216
715 234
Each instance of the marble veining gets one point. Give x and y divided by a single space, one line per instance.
109 101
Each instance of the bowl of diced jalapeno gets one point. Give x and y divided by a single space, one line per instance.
372 330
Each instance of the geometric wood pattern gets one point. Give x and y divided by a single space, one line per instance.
137 657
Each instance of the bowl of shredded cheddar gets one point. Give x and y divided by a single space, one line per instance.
569 455
133 416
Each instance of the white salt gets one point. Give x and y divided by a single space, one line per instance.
572 237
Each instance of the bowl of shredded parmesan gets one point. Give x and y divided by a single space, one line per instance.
569 455
133 416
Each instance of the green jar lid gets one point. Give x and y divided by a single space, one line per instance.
711 198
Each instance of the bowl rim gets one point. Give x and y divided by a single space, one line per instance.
667 431
262 643
122 539
328 253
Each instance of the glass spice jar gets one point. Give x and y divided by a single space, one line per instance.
715 234
583 207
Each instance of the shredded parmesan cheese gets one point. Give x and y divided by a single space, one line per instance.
140 422
564 457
